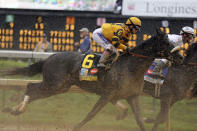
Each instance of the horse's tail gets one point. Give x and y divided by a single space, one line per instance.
31 70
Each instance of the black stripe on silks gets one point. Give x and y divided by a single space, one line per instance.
117 44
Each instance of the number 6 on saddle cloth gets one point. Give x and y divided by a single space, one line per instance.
89 68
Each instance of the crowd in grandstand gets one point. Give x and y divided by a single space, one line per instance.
86 5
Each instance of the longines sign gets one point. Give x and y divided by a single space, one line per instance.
160 8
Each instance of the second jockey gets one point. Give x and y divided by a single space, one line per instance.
113 36
184 40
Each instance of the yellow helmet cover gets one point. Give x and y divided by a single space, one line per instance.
134 21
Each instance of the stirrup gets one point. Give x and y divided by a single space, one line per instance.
101 65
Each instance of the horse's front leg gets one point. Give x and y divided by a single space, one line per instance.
103 100
135 105
165 105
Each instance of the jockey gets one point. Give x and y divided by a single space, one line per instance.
183 40
186 36
113 36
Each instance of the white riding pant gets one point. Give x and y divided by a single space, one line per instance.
165 61
102 41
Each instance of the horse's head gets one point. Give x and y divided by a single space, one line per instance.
157 46
191 57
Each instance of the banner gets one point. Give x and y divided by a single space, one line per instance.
80 5
160 8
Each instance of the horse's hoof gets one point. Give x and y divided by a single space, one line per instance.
15 112
76 128
122 115
149 120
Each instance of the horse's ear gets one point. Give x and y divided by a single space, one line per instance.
161 35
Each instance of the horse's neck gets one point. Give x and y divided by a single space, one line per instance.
142 64
135 64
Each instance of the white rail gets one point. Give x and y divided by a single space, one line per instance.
24 54
18 84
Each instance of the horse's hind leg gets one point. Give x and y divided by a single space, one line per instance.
20 108
135 105
122 110
103 100
36 91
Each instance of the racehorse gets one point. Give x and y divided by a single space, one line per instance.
176 85
123 81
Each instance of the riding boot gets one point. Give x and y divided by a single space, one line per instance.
159 67
104 58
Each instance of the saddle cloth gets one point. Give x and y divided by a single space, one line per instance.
155 80
89 69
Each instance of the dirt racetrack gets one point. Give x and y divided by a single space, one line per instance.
29 127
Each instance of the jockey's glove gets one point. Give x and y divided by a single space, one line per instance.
127 49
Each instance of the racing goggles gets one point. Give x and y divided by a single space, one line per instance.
190 36
136 27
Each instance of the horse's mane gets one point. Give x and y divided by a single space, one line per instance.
149 45
148 41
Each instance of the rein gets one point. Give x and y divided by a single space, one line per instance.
193 63
138 55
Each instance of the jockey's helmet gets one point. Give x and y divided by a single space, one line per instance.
187 33
187 30
134 22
